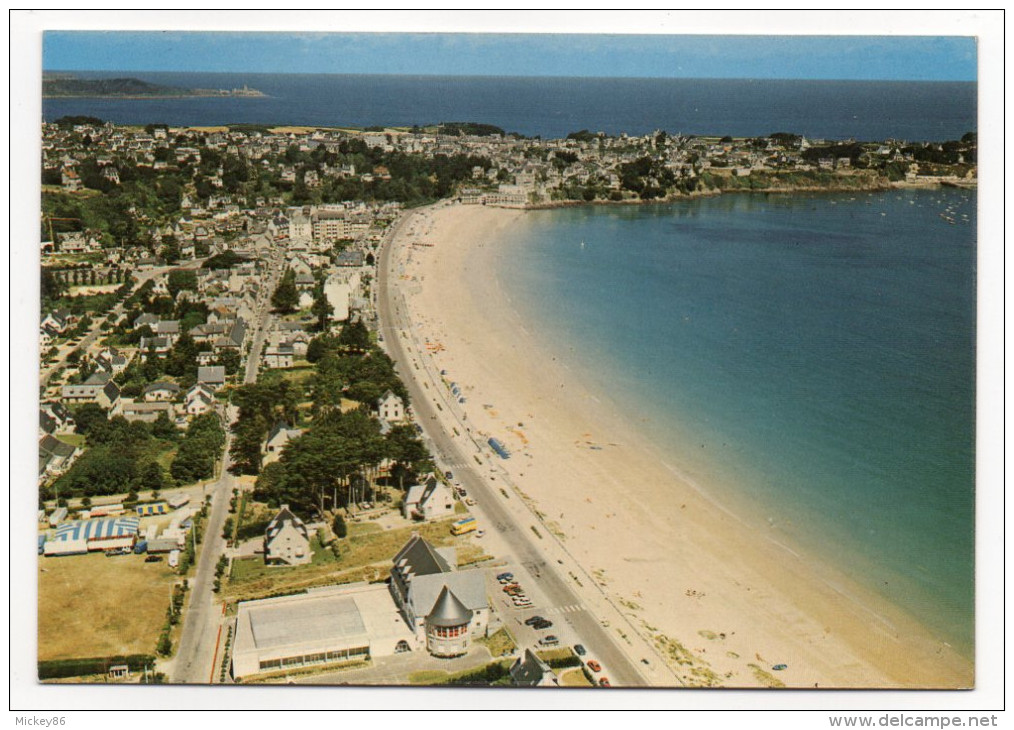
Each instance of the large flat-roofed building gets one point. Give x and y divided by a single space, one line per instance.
325 626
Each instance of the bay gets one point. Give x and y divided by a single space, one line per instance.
808 358
554 107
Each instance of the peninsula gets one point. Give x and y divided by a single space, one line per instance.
65 86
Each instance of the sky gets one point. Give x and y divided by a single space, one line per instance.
911 58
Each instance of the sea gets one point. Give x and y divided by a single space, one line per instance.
555 107
807 359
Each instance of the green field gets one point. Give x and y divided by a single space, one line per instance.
91 605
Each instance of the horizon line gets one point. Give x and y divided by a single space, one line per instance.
512 76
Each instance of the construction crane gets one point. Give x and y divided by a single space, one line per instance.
49 219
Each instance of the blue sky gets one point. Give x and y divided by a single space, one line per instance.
939 58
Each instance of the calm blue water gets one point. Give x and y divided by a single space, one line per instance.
810 357
554 107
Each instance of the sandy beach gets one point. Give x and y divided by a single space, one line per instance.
719 599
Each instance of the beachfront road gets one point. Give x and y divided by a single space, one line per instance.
542 571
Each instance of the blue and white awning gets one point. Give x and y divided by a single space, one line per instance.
97 529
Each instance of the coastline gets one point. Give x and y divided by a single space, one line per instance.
721 598
881 186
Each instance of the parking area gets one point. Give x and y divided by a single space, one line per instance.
533 621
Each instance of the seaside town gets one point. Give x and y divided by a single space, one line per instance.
256 464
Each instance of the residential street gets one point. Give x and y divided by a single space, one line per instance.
194 660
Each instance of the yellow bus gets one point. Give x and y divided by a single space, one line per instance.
462 526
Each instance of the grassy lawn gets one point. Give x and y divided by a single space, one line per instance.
296 374
549 655
364 555
574 678
499 644
74 439
91 605
428 676
165 458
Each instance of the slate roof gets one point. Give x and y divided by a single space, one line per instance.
419 558
283 518
448 610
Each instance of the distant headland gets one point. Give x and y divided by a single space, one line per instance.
58 86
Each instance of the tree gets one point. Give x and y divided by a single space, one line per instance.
338 526
51 285
230 360
408 453
248 435
321 309
170 250
164 428
88 416
153 477
286 297
181 279
354 336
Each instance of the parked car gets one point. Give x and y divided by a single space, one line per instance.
543 625
604 682
532 620
153 559
579 649
505 576
550 640
594 665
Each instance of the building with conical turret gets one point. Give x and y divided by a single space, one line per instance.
445 607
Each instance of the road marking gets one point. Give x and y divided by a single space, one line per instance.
572 608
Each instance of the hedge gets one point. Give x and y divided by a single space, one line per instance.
60 668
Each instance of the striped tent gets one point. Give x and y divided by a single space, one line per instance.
109 529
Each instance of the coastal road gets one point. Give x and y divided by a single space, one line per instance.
492 501
198 645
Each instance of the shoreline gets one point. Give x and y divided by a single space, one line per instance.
712 192
738 602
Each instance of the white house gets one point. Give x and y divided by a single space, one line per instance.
278 437
286 540
278 356
390 407
428 501
199 399
161 391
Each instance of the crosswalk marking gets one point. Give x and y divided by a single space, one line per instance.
572 608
